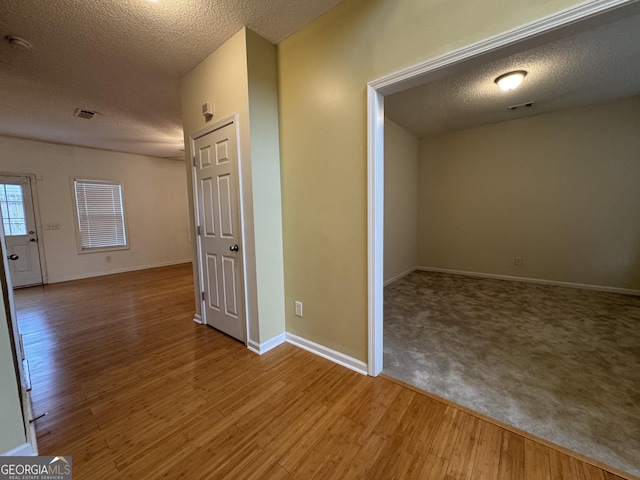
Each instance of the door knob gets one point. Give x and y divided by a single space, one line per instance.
233 248
32 239
13 256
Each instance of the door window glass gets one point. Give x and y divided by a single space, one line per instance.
13 215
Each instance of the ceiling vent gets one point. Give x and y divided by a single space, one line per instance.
16 41
521 106
82 113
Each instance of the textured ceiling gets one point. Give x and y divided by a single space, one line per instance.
594 65
123 59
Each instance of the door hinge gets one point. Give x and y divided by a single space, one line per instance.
203 296
194 160
199 230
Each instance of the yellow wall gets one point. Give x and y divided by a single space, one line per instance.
262 68
400 200
240 77
323 72
561 190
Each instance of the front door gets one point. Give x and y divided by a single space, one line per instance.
20 231
216 173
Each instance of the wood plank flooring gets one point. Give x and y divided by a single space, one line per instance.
134 389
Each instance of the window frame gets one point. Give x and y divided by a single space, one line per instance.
76 213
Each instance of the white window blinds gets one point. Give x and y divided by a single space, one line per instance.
100 214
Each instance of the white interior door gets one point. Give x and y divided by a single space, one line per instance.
20 231
216 173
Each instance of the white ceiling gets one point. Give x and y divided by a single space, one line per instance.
595 65
123 59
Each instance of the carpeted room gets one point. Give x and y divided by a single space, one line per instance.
551 198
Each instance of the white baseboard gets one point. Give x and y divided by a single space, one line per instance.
67 278
264 347
24 450
197 318
399 276
329 354
539 281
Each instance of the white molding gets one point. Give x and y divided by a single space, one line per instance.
538 281
264 347
375 227
399 276
198 319
24 450
30 427
415 75
324 352
410 76
120 270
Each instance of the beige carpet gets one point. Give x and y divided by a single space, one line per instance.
560 363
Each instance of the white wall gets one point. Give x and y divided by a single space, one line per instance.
561 190
155 193
400 201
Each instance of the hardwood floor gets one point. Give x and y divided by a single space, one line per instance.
134 389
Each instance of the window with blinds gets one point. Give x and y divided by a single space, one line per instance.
100 214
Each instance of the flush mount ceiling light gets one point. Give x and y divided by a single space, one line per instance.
510 80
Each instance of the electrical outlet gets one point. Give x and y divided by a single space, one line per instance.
108 258
298 308
518 261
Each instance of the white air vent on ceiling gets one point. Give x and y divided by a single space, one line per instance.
82 113
521 106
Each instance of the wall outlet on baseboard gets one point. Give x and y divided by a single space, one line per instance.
298 308
518 261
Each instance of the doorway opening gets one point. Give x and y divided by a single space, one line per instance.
548 30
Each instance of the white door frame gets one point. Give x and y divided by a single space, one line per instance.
36 214
458 60
232 119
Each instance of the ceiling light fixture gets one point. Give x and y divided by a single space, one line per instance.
510 80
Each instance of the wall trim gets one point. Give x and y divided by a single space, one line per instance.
68 278
264 347
538 281
550 26
30 427
325 352
197 318
375 227
24 450
400 276
412 76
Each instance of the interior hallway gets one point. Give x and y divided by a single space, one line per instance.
561 363
134 389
